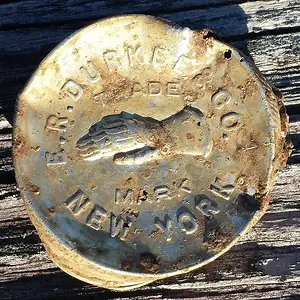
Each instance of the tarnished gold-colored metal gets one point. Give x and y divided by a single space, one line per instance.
144 150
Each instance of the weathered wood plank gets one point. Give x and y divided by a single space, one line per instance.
29 12
278 58
260 15
249 17
64 288
266 262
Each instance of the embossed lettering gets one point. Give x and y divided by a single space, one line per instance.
230 121
134 55
161 192
72 89
56 123
159 56
220 98
96 217
184 185
77 202
119 227
136 88
124 198
154 88
55 158
187 222
142 196
164 226
91 72
221 189
173 89
111 59
206 208
100 98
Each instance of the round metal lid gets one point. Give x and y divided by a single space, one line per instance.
145 150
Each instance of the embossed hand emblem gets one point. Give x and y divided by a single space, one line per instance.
133 139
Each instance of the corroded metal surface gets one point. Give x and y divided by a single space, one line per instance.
145 150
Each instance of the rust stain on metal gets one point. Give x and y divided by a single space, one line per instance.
149 262
145 150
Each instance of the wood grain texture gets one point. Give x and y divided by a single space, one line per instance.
33 12
265 264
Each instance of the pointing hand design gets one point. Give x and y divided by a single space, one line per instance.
133 139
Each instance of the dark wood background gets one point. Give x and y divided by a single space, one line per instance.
265 264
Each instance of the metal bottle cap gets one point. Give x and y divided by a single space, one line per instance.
144 150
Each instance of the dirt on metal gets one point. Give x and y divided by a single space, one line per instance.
144 150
